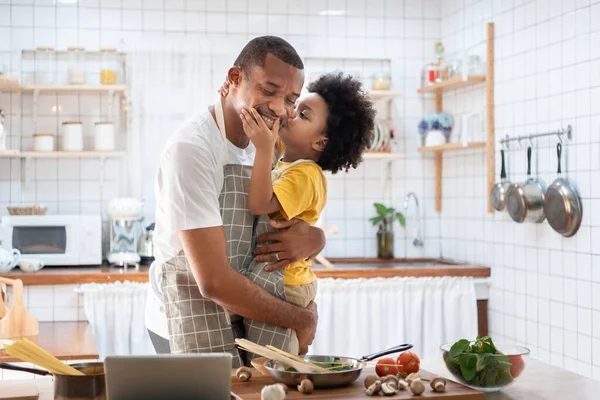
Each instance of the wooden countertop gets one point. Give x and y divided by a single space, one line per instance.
345 268
64 340
539 381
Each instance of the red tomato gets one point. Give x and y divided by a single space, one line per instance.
408 362
518 365
385 367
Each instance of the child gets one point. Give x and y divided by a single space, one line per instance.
329 129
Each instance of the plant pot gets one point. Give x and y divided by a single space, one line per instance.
385 245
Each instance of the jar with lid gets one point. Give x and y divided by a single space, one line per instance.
380 81
108 71
76 71
104 136
72 136
43 142
45 65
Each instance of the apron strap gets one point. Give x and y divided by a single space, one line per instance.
221 125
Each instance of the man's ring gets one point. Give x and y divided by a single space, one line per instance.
277 256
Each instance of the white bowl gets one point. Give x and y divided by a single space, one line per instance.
31 264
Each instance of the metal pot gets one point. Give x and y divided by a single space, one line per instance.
90 386
562 204
498 193
322 380
525 201
146 246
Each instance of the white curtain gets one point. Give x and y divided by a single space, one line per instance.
115 312
358 317
168 82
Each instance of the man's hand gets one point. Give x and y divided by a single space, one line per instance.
307 334
295 240
224 89
256 129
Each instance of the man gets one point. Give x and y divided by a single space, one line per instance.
203 226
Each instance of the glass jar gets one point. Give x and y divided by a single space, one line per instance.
104 136
76 71
45 65
385 241
108 70
380 81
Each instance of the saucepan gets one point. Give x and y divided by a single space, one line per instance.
324 380
91 386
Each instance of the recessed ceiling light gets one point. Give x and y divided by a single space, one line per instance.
68 1
333 12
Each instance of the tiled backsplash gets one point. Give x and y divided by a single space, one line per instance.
402 32
546 289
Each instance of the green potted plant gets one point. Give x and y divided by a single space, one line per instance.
385 235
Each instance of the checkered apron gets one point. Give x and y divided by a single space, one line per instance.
198 325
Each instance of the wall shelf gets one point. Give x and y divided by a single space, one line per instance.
458 83
9 84
74 88
452 147
10 154
385 95
454 83
72 154
383 156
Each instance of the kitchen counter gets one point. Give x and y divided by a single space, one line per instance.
64 340
539 381
343 268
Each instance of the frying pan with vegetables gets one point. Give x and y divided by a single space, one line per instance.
342 370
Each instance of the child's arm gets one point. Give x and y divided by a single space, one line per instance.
261 199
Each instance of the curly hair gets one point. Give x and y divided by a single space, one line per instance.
349 124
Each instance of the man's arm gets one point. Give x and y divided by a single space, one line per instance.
295 240
205 250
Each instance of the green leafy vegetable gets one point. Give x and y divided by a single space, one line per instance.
479 362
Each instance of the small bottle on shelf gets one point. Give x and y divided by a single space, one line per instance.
441 70
108 71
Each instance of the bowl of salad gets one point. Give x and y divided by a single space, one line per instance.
480 365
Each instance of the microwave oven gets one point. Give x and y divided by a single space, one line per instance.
54 239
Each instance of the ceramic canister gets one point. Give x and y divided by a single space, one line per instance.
72 136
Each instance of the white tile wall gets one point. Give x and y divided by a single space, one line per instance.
547 70
401 31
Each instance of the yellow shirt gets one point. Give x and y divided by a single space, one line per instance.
301 189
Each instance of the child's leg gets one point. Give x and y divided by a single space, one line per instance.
260 332
300 295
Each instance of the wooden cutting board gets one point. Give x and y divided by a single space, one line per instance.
20 392
251 390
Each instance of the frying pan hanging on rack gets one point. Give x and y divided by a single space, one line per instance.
562 204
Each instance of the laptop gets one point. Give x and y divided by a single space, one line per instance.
169 376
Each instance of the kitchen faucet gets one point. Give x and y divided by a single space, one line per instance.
417 242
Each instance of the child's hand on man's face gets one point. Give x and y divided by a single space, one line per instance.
257 130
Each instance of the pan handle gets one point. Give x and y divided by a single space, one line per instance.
395 349
503 170
24 369
559 153
528 161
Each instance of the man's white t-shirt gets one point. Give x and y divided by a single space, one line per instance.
188 183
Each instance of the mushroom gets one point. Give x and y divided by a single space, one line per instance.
417 387
272 392
371 379
306 386
391 380
373 389
438 384
283 386
411 377
389 389
243 373
402 385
